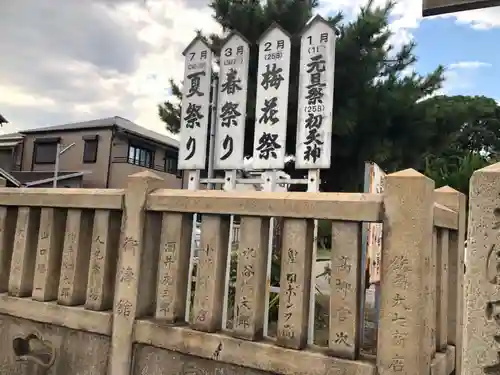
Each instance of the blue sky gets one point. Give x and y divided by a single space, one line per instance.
464 42
470 55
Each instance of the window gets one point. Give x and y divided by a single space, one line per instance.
45 150
140 156
90 148
171 163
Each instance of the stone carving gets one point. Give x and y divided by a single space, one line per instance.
492 311
32 348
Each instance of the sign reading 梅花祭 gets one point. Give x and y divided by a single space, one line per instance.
232 103
195 105
271 104
437 7
374 232
315 108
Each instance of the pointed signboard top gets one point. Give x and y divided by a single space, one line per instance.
274 25
197 38
317 18
232 34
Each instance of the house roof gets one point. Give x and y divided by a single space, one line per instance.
11 137
118 122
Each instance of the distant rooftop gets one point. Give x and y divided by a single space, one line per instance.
118 122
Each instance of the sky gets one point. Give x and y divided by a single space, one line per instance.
74 60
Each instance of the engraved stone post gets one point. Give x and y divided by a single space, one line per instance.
345 284
49 253
210 275
407 242
75 258
296 262
103 259
430 276
456 201
128 302
251 278
442 291
173 267
22 267
8 218
481 345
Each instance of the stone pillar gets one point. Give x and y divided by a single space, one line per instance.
251 278
130 302
8 219
402 345
210 273
103 259
442 291
49 254
456 201
295 282
481 346
345 288
173 267
75 258
22 267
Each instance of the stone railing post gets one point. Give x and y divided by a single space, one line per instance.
407 244
481 345
133 255
456 201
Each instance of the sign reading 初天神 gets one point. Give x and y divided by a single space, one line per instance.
195 105
232 103
271 104
315 108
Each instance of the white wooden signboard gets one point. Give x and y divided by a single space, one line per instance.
232 102
374 233
195 105
271 106
315 108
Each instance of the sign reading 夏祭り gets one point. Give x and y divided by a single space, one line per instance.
195 105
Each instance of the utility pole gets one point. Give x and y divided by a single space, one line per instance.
59 152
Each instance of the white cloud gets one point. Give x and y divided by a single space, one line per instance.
63 70
407 15
460 76
469 65
57 69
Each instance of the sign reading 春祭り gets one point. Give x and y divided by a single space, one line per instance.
232 102
374 233
271 105
315 109
195 105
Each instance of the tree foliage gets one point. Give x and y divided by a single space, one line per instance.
383 111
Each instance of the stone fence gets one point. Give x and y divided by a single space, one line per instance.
59 268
